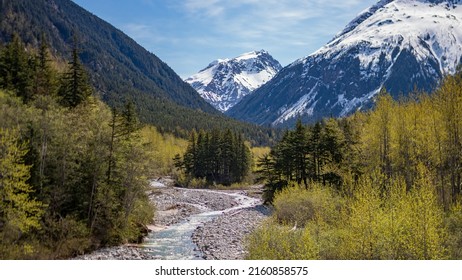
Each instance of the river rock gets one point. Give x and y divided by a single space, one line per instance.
124 252
224 237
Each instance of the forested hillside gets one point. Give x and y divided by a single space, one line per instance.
379 185
73 172
119 69
118 66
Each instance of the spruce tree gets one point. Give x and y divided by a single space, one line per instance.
243 159
315 150
44 74
75 87
299 143
221 158
15 69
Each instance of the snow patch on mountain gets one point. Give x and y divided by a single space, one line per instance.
224 82
429 29
382 40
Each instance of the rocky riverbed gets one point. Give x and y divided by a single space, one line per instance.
220 238
223 238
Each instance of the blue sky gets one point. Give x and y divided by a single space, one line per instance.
189 34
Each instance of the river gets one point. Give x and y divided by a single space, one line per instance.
175 242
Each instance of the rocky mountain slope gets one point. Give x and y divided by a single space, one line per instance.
224 82
400 45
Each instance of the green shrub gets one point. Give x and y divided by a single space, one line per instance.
274 242
299 205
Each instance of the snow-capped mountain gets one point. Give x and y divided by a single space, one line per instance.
397 44
226 81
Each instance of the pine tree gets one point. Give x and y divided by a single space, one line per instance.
44 74
75 87
190 157
130 122
243 160
15 69
218 157
202 164
299 145
228 158
315 150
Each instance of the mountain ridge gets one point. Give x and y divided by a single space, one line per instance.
400 45
224 82
119 69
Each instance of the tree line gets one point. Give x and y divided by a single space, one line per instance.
73 173
383 184
217 157
316 153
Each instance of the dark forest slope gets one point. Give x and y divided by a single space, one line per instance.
119 68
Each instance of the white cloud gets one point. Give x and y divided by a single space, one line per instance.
209 8
148 34
195 32
260 20
138 31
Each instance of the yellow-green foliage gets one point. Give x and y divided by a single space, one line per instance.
83 187
162 148
427 232
364 225
423 129
257 153
394 224
299 205
190 182
274 242
20 213
19 209
454 226
381 221
312 214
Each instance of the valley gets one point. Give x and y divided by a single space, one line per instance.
352 152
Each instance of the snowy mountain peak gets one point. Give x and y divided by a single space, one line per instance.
397 44
224 82
363 16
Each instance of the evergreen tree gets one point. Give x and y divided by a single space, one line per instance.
243 160
228 158
44 75
315 150
202 163
333 147
218 157
75 87
190 156
15 69
299 145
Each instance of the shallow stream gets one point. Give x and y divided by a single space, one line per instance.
175 242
